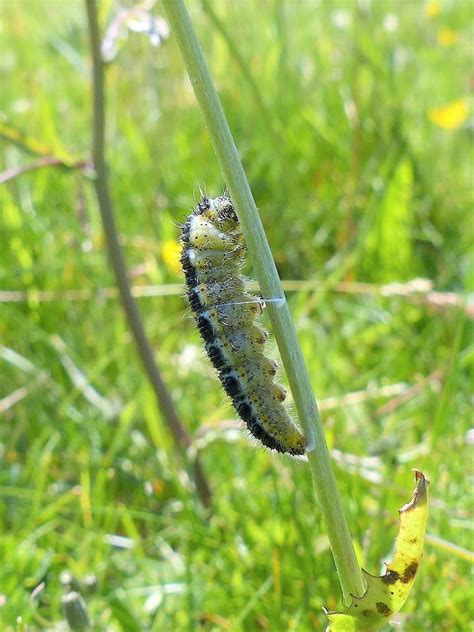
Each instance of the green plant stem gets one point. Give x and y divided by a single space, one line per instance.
165 403
350 574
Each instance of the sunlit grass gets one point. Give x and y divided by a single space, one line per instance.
355 182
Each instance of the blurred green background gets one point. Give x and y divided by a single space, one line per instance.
352 119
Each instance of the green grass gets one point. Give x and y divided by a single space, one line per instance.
355 182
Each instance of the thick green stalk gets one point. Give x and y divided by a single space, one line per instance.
350 574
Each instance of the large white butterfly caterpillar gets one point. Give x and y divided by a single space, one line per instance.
225 312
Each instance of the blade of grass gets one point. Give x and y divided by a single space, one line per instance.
234 51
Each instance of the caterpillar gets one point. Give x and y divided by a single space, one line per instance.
213 253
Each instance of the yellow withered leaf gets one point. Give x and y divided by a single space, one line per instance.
386 595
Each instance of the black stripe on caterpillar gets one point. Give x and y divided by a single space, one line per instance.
212 257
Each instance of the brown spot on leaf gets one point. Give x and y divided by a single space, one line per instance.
390 577
383 609
410 572
367 613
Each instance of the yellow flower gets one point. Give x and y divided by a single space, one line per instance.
446 37
450 116
171 252
432 8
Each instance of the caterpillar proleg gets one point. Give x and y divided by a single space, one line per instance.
212 257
